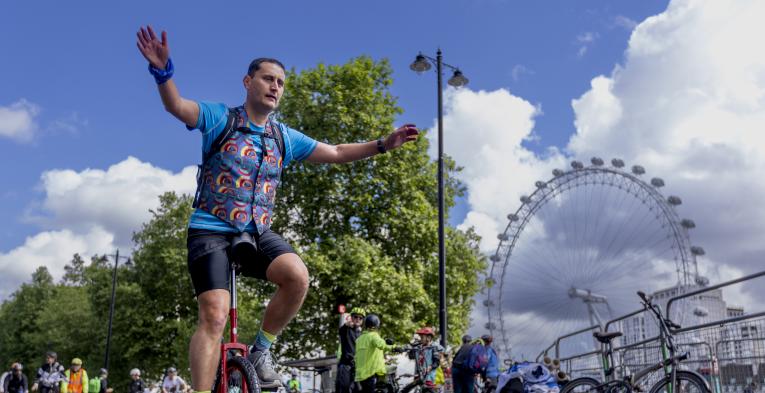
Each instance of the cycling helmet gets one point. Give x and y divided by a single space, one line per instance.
467 338
487 338
17 367
51 354
294 373
76 362
358 311
426 331
103 371
372 321
172 370
135 371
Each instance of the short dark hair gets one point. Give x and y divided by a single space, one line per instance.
255 65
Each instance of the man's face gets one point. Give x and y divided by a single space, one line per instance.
76 367
265 88
171 375
426 339
356 320
50 359
135 376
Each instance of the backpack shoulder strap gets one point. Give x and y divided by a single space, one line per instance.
233 116
279 135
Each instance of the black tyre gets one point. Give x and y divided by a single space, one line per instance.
581 385
687 382
241 377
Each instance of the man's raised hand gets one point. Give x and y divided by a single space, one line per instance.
405 133
155 51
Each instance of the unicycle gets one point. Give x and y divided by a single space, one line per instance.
235 373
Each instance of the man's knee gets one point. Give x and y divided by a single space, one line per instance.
289 272
213 311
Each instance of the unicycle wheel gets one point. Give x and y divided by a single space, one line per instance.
240 377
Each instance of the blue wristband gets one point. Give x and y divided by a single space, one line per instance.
162 76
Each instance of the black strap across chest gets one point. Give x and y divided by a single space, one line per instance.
232 125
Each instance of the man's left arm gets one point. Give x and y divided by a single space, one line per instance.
349 152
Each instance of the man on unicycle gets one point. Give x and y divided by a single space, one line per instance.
244 152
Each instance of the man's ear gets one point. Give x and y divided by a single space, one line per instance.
246 81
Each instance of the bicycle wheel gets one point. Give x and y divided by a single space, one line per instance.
241 377
686 383
581 385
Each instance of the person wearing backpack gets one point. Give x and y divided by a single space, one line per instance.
491 373
469 361
244 152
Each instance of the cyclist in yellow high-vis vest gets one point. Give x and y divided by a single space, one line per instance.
76 378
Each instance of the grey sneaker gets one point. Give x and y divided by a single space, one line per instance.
264 366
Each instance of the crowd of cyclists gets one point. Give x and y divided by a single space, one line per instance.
362 365
52 377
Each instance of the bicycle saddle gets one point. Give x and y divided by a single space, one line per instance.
606 337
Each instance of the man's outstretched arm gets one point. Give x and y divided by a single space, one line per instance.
157 52
348 152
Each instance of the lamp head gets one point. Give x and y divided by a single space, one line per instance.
420 64
457 80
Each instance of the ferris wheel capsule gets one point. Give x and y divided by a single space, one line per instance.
494 258
698 251
526 199
540 184
617 163
638 170
557 172
657 182
577 165
596 161
674 200
512 217
688 223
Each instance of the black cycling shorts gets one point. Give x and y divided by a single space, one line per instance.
208 257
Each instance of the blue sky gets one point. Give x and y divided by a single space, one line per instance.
96 104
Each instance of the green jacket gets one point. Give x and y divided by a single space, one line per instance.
370 355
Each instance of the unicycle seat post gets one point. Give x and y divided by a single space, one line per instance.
232 310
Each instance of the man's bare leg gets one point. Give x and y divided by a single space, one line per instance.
290 275
204 349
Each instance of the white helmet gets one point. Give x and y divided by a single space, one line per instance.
135 371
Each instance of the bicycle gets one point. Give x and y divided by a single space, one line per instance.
236 371
673 381
417 385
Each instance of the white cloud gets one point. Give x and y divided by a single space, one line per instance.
518 71
88 212
625 22
118 198
483 132
584 41
52 249
688 104
17 121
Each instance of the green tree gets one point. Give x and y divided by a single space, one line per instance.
389 201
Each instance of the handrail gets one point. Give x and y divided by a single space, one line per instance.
557 341
711 288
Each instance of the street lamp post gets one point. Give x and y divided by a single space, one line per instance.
421 64
116 257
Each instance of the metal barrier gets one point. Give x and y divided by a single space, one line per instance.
728 350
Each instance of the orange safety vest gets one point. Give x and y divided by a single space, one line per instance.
75 381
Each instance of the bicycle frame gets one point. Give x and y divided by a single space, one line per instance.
667 347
